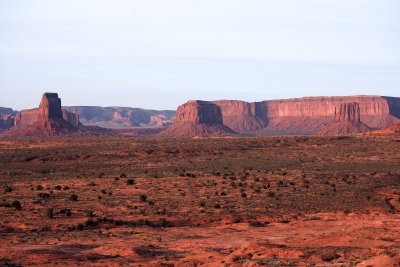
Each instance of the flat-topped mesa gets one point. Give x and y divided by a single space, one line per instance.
348 112
199 112
197 118
50 106
346 121
242 116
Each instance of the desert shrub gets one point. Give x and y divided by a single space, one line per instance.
92 183
103 191
73 197
244 194
130 181
8 189
329 256
122 175
258 224
57 187
50 213
202 203
271 194
66 187
67 212
90 213
223 193
144 222
39 187
143 198
151 203
217 206
163 222
16 205
91 223
44 195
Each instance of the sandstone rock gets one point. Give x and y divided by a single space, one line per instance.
50 107
6 121
346 121
197 119
7 111
242 116
72 118
394 129
47 120
304 115
122 117
6 118
348 112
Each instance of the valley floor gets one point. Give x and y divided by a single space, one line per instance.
269 201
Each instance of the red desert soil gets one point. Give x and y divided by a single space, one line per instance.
271 201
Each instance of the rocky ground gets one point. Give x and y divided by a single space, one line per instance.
272 201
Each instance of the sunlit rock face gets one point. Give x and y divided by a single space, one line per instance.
197 119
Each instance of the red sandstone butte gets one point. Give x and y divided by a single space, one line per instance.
346 121
198 118
47 120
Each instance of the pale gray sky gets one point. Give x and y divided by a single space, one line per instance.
158 54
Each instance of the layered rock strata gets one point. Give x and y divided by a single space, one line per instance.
346 121
198 119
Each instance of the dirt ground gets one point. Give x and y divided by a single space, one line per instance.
255 201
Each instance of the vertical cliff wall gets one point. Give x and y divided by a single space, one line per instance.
197 119
48 119
305 115
346 121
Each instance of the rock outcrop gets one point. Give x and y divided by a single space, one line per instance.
6 121
242 116
198 119
6 118
305 115
47 120
346 121
394 129
122 117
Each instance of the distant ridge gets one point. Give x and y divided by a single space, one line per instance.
296 116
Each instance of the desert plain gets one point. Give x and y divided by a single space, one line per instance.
234 201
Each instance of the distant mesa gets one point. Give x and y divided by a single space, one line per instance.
47 120
122 117
242 116
346 121
198 118
327 115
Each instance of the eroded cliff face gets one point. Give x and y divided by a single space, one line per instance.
305 115
50 107
346 121
242 116
48 119
348 112
199 112
197 119
122 117
6 121
72 118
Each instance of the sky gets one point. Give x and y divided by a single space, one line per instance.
158 54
